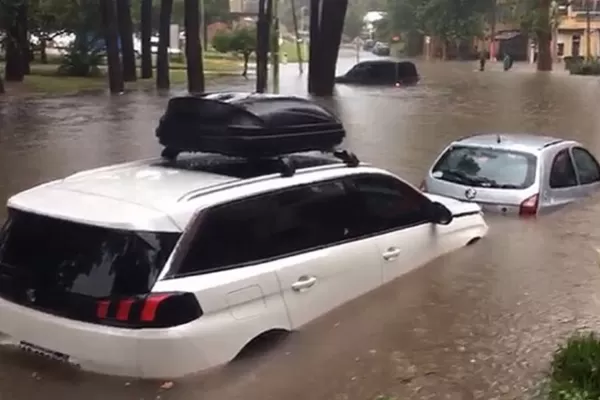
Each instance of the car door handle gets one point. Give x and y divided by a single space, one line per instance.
303 283
391 253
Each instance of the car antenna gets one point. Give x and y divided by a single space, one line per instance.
498 138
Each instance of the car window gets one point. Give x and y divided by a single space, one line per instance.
586 165
270 226
387 203
486 167
562 173
384 71
359 70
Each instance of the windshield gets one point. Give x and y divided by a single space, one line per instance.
486 167
54 258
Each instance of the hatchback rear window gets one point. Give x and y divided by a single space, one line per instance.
60 262
486 167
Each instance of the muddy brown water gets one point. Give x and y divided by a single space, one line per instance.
477 324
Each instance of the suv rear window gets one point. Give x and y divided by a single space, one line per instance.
61 262
486 167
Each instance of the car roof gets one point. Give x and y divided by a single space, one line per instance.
156 194
525 142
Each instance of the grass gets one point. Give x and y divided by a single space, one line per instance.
44 78
290 49
575 369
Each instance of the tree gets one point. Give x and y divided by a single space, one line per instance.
115 71
162 59
536 17
2 91
125 25
13 14
354 22
146 31
241 40
193 47
50 18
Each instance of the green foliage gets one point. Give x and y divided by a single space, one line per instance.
241 40
585 67
575 369
447 19
48 18
82 59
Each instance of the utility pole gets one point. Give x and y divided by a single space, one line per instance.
275 48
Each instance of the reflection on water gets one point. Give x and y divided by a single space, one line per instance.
478 324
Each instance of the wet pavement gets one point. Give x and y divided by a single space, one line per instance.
478 324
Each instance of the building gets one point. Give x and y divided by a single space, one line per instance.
246 7
570 35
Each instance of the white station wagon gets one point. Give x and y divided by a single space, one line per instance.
165 267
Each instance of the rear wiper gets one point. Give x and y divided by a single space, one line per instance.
460 176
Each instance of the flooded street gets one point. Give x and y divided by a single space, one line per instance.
478 324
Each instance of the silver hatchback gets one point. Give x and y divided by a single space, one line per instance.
520 174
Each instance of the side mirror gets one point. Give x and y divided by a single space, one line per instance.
439 214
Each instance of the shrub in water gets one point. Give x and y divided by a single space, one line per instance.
575 369
586 67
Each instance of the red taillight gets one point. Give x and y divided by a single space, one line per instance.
155 310
423 186
529 206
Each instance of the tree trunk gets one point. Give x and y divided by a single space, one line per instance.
332 24
544 37
444 49
43 54
2 91
13 68
126 36
314 51
111 37
23 39
262 46
146 30
492 39
246 56
162 59
193 47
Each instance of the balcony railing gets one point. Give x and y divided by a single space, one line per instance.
582 6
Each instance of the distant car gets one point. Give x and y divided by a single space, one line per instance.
381 72
520 174
368 44
381 49
161 268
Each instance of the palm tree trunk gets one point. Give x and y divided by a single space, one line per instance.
544 37
314 51
13 68
332 23
162 59
126 36
22 19
111 35
262 46
146 30
193 47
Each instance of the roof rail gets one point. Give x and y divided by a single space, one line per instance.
287 168
552 143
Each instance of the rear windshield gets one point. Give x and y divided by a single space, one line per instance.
486 167
55 257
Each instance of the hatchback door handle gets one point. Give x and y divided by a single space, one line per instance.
391 253
303 283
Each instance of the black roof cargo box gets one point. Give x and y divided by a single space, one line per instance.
248 125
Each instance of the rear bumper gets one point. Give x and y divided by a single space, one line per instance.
151 353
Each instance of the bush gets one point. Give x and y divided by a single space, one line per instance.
585 67
575 369
82 59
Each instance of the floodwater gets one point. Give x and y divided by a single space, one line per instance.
478 324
